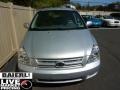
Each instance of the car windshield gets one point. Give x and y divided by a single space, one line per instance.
108 17
57 20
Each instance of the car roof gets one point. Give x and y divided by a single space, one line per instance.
61 8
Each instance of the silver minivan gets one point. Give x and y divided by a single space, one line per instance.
59 48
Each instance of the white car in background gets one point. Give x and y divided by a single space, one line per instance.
112 22
69 6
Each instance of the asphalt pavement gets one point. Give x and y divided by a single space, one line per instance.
108 77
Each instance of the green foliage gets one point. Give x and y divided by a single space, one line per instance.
78 6
46 3
5 0
110 7
22 2
54 3
38 3
114 6
18 2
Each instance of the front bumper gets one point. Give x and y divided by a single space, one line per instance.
59 75
114 24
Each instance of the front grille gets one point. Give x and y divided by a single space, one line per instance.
52 63
116 22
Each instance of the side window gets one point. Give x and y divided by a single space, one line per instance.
78 19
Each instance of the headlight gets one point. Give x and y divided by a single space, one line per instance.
94 54
111 21
24 59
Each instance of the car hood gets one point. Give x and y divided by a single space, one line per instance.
58 44
111 20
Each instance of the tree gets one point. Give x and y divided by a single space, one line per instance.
22 2
38 3
114 6
78 6
47 3
5 0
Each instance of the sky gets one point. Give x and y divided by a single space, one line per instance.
95 2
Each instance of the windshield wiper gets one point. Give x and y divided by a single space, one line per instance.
49 29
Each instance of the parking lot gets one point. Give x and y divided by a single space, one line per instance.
109 74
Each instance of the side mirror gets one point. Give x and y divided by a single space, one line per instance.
26 25
88 23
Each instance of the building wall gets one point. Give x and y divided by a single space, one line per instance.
12 31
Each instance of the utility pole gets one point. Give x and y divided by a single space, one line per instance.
88 5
